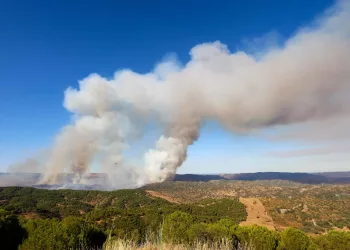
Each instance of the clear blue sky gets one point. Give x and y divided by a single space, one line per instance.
46 46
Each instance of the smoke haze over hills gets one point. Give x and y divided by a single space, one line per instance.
303 85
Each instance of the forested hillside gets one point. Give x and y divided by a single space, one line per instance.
311 208
133 219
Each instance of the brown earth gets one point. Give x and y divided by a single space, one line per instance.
31 215
256 213
345 228
160 195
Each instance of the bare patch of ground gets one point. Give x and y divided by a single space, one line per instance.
345 228
160 195
31 216
256 213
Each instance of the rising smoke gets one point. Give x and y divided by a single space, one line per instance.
305 81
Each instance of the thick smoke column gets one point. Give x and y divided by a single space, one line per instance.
306 81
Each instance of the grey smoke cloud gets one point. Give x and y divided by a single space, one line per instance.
304 83
325 150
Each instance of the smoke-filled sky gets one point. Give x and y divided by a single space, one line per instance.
236 86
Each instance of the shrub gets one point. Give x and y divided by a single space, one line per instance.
293 239
175 227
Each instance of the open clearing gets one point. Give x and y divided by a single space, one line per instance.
256 213
159 195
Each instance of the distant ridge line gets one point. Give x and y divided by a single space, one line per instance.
307 178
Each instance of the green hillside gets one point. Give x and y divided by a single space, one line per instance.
35 219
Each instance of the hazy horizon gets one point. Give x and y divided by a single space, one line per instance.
225 88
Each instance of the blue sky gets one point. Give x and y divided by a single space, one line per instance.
47 46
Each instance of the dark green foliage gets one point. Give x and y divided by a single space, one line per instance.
256 237
47 203
123 213
199 231
344 222
95 238
260 238
211 210
294 239
68 219
11 232
252 237
334 240
71 233
175 227
223 229
46 234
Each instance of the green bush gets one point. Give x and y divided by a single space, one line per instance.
71 233
11 232
175 227
293 239
334 240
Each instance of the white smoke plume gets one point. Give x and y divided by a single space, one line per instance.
305 81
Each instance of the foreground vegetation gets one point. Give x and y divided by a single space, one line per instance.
78 217
178 231
132 219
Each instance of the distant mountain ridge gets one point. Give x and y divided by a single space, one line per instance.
31 179
308 178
